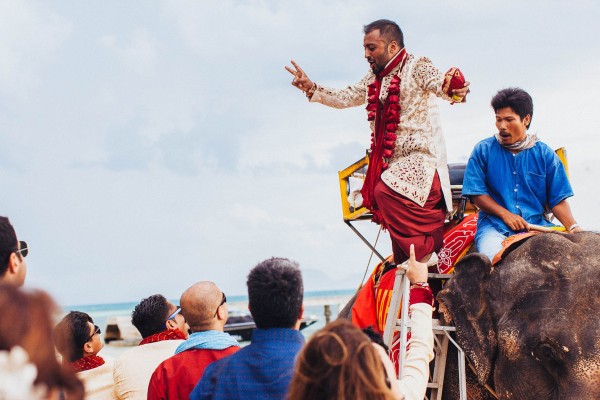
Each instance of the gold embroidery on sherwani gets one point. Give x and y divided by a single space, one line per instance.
420 147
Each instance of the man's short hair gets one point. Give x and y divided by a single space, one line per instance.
389 30
516 98
275 293
8 243
71 333
150 315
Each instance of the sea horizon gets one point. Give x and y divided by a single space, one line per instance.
314 307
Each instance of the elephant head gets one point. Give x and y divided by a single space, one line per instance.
531 324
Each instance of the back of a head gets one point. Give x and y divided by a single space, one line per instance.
150 314
8 243
26 321
339 362
516 98
71 334
275 293
199 304
389 30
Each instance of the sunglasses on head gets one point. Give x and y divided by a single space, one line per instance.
96 331
23 250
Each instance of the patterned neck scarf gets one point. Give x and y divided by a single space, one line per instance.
168 334
87 363
527 143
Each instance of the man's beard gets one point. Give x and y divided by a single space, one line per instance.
376 67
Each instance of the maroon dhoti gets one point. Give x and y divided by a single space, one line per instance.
409 223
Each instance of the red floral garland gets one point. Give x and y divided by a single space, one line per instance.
391 118
386 118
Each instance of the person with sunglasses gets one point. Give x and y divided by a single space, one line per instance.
263 369
78 341
204 307
13 268
163 329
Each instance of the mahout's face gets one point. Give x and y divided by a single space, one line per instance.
511 128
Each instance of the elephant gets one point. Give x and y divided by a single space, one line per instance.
530 325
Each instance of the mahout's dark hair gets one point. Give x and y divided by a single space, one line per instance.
516 98
71 333
275 293
387 29
150 315
8 243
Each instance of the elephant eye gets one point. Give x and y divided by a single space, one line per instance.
551 357
548 351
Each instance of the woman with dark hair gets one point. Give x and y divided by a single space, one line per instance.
341 362
28 365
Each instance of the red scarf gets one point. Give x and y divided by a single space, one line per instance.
383 137
86 363
169 334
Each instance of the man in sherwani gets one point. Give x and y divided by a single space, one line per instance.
407 187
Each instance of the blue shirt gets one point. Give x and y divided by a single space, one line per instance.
261 370
523 183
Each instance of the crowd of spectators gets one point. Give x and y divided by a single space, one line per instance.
185 353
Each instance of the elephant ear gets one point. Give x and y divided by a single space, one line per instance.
464 302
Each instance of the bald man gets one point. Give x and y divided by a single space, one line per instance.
204 307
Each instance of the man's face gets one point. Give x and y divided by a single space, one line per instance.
376 51
511 128
95 339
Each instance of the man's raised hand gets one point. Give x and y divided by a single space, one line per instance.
300 80
417 271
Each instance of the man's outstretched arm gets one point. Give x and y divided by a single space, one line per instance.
489 205
352 96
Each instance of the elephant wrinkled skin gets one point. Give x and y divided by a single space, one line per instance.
531 325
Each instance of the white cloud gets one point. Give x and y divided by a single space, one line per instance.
140 52
30 35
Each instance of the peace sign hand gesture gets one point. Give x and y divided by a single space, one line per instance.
300 80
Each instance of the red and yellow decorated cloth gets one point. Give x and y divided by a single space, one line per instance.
87 363
453 79
169 334
457 241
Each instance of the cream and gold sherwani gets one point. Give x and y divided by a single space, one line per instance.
420 147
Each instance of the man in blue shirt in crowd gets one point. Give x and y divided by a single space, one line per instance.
263 369
514 178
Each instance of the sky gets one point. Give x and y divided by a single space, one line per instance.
147 145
